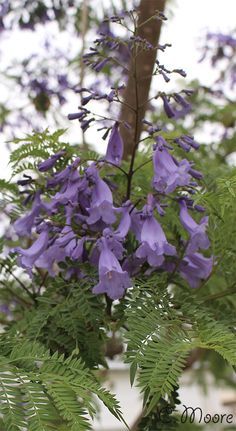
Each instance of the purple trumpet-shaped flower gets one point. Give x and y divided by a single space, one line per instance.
132 264
114 243
112 279
24 225
167 173
136 223
48 259
72 183
125 221
59 177
115 146
77 252
153 240
170 112
198 236
179 99
28 257
101 208
78 115
195 268
114 239
49 163
65 245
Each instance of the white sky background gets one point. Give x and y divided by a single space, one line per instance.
189 20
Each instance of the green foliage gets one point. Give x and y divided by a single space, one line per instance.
44 392
58 332
163 330
36 146
71 320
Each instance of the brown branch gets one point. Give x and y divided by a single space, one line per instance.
145 61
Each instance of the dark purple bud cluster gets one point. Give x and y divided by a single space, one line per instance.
162 70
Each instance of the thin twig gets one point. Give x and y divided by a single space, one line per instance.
30 294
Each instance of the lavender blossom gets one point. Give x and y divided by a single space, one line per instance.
23 226
125 221
115 146
50 163
112 279
101 200
195 268
28 257
170 112
167 174
198 237
153 240
114 243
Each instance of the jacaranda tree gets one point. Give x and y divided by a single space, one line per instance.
107 253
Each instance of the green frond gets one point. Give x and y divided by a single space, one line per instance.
40 390
6 186
162 331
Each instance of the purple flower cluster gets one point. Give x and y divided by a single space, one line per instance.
81 223
221 50
93 229
29 14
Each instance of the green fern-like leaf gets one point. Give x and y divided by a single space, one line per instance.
40 390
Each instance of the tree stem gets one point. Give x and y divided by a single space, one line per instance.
148 29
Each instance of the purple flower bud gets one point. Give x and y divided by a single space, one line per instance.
86 100
146 122
76 116
160 209
179 99
195 174
199 208
166 78
115 146
190 141
99 65
85 124
111 96
90 54
163 47
182 144
180 72
49 163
